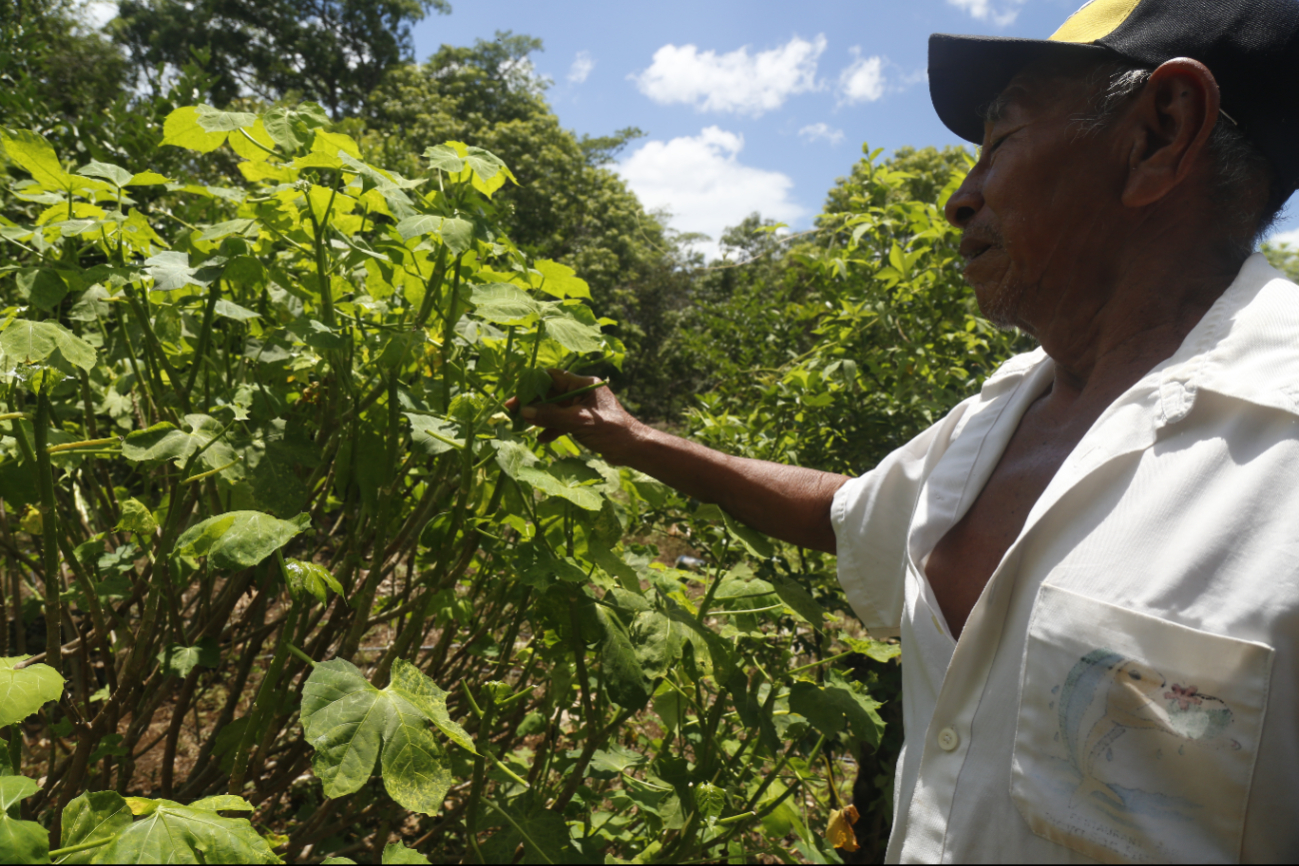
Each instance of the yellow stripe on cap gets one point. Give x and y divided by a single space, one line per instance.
1095 20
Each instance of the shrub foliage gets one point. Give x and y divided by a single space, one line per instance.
289 581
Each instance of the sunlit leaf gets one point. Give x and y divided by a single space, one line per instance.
350 724
214 120
396 853
32 342
20 841
136 517
504 304
168 832
580 495
34 155
24 691
91 817
561 280
182 129
573 335
107 171
239 539
311 579
409 682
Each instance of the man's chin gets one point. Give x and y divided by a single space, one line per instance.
1000 305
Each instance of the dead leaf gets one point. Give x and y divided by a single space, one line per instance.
840 831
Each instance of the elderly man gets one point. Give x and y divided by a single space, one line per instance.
1093 564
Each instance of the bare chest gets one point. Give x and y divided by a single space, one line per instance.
963 561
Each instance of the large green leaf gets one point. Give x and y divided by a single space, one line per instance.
397 853
657 640
33 342
798 600
623 675
93 817
504 304
20 841
573 335
351 724
182 129
543 832
562 281
162 441
23 692
753 541
418 225
213 120
171 271
432 434
457 234
35 156
838 703
178 660
43 288
416 769
409 682
115 173
239 539
168 832
290 128
578 494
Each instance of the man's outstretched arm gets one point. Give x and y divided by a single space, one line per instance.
785 502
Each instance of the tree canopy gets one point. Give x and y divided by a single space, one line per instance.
334 52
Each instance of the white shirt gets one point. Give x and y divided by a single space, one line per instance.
1125 687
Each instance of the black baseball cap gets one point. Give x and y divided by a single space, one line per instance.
1251 46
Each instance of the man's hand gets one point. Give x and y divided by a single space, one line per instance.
594 417
787 502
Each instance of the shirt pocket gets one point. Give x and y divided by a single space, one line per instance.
1136 737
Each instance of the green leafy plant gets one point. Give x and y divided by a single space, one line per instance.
293 584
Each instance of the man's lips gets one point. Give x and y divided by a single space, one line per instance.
972 248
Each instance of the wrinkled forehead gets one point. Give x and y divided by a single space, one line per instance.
1048 85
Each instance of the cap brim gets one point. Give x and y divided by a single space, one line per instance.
966 73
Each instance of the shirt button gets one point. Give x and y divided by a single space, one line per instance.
948 739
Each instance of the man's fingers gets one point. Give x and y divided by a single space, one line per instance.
566 381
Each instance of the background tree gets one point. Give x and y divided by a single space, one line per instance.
1284 258
56 72
569 206
330 51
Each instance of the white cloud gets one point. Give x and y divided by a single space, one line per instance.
581 68
817 131
701 182
100 12
1291 237
1000 12
863 80
735 82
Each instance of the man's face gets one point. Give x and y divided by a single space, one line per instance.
1038 207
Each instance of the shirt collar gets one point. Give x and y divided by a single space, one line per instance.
1245 347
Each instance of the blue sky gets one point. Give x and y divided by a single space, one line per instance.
747 106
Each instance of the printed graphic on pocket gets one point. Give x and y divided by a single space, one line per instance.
1107 697
1137 736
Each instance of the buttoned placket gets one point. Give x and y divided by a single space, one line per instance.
1131 424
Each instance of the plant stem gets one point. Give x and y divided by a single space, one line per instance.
50 533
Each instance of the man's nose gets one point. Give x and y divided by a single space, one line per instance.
965 203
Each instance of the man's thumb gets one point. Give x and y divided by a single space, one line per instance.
541 414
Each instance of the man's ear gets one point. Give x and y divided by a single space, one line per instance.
1173 118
